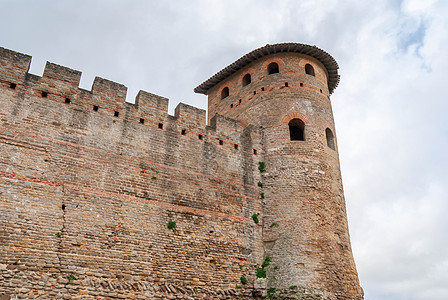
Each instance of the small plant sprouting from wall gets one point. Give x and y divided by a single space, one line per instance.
260 273
293 287
266 263
58 234
260 184
153 177
261 166
171 224
262 195
243 280
255 218
70 278
271 292
273 225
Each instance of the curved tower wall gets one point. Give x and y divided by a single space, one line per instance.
305 229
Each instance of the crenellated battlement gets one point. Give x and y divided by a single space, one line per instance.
61 84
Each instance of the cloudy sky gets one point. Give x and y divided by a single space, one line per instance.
390 107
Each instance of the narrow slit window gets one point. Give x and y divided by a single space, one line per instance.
44 94
231 105
13 85
330 138
220 142
68 100
142 121
296 130
255 151
160 125
273 68
225 92
239 101
262 89
309 70
286 84
235 146
184 131
247 79
95 107
116 113
200 136
301 84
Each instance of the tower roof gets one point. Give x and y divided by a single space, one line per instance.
326 59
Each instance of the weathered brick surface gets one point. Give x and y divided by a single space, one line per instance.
88 184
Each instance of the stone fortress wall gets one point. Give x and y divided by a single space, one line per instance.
89 183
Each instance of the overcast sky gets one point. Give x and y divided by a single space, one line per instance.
390 107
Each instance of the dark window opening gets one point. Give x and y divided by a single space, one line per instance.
67 100
301 84
13 85
184 131
309 69
330 138
44 94
95 108
286 84
262 89
246 79
142 121
63 206
255 92
239 101
211 231
200 136
273 68
235 146
231 105
255 151
225 92
116 113
321 90
160 126
296 130
221 142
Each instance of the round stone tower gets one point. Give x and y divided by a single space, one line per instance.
285 89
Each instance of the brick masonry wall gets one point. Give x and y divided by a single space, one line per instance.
305 230
87 193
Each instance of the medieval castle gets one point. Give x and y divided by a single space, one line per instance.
103 199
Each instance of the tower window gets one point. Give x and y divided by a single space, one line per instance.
296 130
184 132
95 107
309 69
12 85
246 79
116 113
68 100
273 68
44 94
225 92
142 121
330 138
